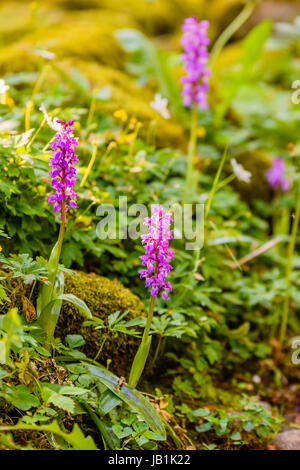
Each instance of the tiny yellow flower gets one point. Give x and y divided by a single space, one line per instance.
201 132
121 114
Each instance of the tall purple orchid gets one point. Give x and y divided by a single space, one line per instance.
195 57
62 172
156 260
62 169
275 175
158 254
195 87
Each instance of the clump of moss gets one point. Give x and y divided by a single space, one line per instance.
103 297
13 287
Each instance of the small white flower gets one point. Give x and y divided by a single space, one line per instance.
46 54
256 379
240 172
52 123
160 105
3 86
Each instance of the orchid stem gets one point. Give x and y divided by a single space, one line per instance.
190 179
149 319
291 248
215 183
142 353
59 245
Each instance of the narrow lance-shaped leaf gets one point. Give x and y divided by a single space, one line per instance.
133 398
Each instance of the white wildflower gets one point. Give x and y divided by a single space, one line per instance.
52 123
45 54
160 105
256 379
3 86
240 172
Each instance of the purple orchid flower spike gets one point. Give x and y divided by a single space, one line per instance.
62 169
275 176
158 254
195 57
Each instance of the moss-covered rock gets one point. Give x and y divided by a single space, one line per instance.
103 297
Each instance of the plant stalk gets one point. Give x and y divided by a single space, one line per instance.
291 249
190 179
142 353
90 166
231 29
59 245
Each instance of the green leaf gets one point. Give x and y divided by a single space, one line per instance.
236 436
204 427
107 402
62 402
132 398
121 432
2 352
50 314
75 438
239 332
80 304
72 390
21 398
75 341
200 412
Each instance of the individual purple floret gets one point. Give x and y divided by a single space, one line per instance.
62 169
275 175
195 82
158 254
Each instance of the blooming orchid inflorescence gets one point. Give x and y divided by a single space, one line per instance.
195 82
158 254
275 175
62 169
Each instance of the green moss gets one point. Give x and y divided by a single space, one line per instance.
103 297
11 286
